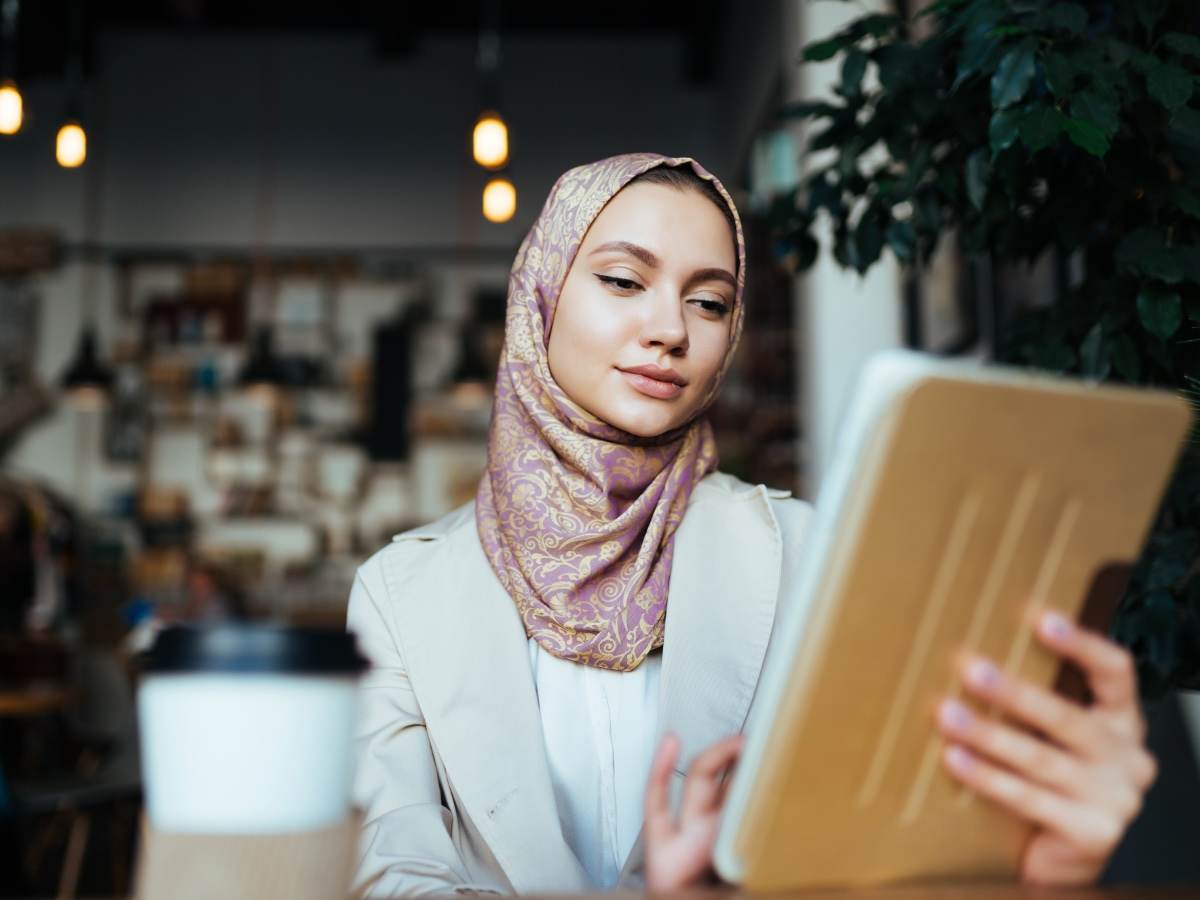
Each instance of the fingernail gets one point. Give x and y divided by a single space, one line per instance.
1055 626
983 674
955 715
959 758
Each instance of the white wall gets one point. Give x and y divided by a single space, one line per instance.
311 141
843 318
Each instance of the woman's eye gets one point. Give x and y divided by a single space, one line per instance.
622 284
717 307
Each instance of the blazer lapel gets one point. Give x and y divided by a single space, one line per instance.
724 588
469 664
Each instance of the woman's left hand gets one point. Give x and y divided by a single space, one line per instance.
1083 782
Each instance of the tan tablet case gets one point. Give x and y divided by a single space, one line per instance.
969 498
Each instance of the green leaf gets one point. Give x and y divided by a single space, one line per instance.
1160 311
1069 17
826 49
1169 84
1060 74
1002 130
854 66
896 63
928 211
902 238
810 109
917 167
981 49
1087 136
1149 12
1040 126
876 25
1143 252
1125 359
1188 260
1187 200
1185 126
866 244
1093 353
1014 74
840 129
848 161
1186 44
1088 106
822 193
979 170
805 248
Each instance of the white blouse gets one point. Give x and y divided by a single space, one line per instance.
599 729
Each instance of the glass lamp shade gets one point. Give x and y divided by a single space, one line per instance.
499 200
70 149
490 141
12 108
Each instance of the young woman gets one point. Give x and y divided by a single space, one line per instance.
546 656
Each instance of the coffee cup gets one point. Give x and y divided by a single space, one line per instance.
248 729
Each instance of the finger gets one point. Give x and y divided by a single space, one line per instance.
1017 750
1117 787
1109 667
659 821
1043 710
702 788
1090 829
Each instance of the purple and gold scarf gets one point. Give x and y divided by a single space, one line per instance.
576 517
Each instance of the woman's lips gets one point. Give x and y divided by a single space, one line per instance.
652 387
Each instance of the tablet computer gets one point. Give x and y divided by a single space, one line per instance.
963 500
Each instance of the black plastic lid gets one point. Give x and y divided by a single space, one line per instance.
241 647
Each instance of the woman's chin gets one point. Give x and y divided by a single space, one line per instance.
644 420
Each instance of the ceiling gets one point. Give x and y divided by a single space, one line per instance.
50 32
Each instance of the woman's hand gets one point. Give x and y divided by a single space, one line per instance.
679 850
1083 782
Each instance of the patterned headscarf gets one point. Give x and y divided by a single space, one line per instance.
577 517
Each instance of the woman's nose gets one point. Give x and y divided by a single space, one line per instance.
664 325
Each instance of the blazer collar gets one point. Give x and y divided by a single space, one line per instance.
471 669
468 662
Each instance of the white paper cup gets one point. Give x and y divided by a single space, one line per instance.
248 729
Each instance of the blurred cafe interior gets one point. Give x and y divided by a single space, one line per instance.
252 302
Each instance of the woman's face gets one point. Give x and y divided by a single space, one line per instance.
642 323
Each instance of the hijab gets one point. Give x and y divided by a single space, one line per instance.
578 518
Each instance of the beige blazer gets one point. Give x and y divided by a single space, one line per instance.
452 774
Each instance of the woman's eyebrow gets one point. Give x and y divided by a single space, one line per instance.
639 252
632 249
713 275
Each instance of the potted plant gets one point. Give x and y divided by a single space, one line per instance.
1032 128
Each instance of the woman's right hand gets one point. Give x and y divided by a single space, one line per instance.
679 848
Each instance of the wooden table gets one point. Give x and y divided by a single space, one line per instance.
965 891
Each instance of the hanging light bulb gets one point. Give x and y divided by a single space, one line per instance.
70 149
12 108
490 141
499 200
12 105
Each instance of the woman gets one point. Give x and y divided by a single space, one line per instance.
609 592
